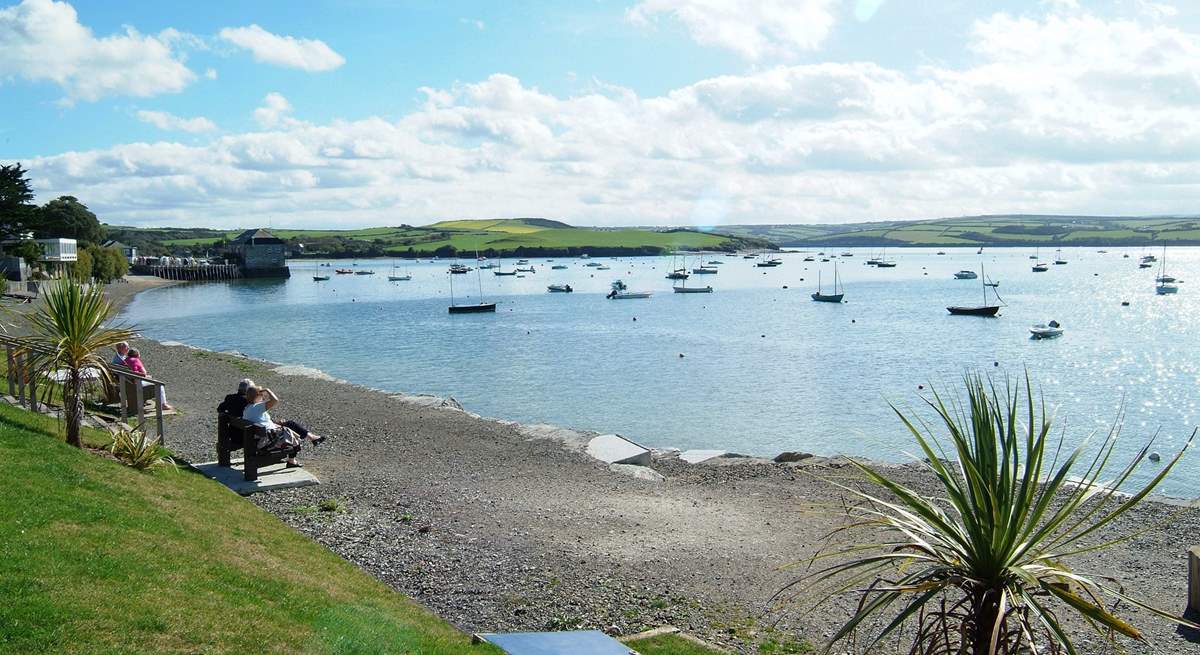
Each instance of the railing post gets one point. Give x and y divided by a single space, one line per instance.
141 402
33 401
20 368
158 412
12 370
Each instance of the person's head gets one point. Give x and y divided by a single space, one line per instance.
246 383
123 349
251 392
133 353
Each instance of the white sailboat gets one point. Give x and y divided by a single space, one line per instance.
1165 284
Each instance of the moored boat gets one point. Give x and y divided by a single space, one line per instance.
560 288
978 310
1046 330
320 278
693 289
966 275
837 294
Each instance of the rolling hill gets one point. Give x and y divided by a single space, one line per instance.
491 237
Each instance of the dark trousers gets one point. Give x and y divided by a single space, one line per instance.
297 428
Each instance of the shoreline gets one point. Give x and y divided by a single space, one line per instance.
569 437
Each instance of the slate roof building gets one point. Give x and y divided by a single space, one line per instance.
260 254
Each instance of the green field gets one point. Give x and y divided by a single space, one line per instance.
1015 230
523 236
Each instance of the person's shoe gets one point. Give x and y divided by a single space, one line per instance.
294 465
318 440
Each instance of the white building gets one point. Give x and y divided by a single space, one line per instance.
57 254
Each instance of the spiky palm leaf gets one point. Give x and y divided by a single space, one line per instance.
995 547
70 333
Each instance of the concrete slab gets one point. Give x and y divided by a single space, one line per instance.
700 455
276 476
575 642
615 449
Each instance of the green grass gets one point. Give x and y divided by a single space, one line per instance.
669 645
99 558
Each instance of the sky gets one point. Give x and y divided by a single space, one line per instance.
602 112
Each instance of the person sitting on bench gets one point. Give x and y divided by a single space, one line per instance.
287 434
235 403
134 361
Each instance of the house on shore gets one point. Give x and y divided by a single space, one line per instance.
130 252
259 254
58 255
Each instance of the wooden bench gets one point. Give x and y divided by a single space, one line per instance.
235 433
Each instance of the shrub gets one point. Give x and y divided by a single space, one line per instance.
132 448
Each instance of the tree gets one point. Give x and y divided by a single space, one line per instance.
84 265
70 333
17 211
66 217
27 250
985 567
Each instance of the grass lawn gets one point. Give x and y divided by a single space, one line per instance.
669 645
99 558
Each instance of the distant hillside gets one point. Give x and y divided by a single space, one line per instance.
522 237
999 230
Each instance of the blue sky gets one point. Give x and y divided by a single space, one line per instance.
376 112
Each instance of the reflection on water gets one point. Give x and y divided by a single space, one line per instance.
764 369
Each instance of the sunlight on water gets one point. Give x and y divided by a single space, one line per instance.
764 370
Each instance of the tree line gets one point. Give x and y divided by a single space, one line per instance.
22 221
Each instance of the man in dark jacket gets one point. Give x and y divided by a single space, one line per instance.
235 403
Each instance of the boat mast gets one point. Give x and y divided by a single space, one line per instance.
479 276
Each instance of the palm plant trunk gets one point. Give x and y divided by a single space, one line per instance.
987 612
73 407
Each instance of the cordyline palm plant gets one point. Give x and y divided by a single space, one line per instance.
984 570
70 333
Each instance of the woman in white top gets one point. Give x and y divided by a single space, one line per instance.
285 434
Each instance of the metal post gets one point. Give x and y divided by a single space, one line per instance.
12 370
141 402
158 412
120 379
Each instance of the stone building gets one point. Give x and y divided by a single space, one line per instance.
260 254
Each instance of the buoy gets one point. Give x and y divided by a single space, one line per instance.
995 363
1124 303
680 355
785 286
851 320
764 336
920 386
1154 457
635 318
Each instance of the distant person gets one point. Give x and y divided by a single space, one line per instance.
122 352
235 403
133 360
288 434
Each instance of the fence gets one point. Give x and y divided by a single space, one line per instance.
211 272
125 387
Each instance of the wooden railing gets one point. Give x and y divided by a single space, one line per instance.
126 387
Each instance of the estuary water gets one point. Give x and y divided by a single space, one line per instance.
763 368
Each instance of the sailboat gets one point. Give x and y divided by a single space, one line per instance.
1039 267
837 294
1058 258
394 277
500 269
479 308
677 273
978 310
1165 284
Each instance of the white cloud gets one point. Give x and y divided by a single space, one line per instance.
1053 114
42 40
210 74
474 22
288 51
755 29
274 111
165 121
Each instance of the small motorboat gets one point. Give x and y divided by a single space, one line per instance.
399 278
1040 268
677 275
560 288
966 275
1164 279
344 271
885 264
368 272
504 273
693 289
847 254
810 259
941 252
715 262
1046 330
627 295
704 270
559 267
459 269
526 270
320 278
522 261
592 264
487 266
603 268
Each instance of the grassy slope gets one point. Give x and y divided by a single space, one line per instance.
669 645
498 234
100 558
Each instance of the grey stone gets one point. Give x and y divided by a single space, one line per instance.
791 456
615 449
640 472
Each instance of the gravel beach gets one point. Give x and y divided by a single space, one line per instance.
497 527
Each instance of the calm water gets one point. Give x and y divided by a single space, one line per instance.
764 370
